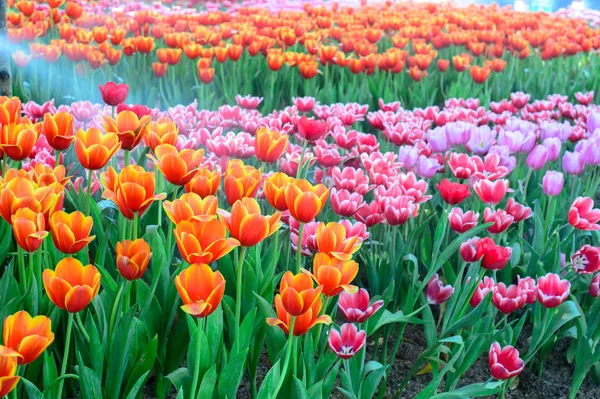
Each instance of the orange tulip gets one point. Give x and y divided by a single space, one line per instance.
201 289
274 190
191 206
333 274
10 110
159 69
247 225
71 286
163 131
18 191
304 200
45 175
94 149
270 145
132 189
206 75
128 128
18 139
133 258
70 232
303 323
297 293
241 181
331 240
178 167
8 369
30 336
480 74
205 183
203 242
29 229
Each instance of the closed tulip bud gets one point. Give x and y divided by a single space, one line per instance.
128 127
304 200
270 144
573 163
29 336
507 300
297 293
347 343
491 192
595 286
201 289
333 274
483 288
302 323
246 224
71 286
461 221
206 182
70 232
8 368
453 193
529 287
582 214
190 206
29 229
203 242
113 94
94 149
274 190
500 219
504 363
178 167
537 158
553 145
552 183
58 129
437 292
552 291
493 257
586 260
468 250
133 258
241 181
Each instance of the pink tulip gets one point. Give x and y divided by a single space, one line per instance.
529 287
573 163
499 217
552 291
504 363
437 292
355 307
345 203
370 214
304 104
248 102
595 286
348 343
552 183
462 221
537 158
517 211
582 214
508 299
468 250
519 99
490 192
483 288
586 260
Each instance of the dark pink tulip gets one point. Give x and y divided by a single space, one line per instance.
468 250
345 203
392 107
499 217
437 292
370 214
348 343
462 221
595 286
582 214
311 129
484 287
491 192
346 140
113 94
493 257
529 287
517 211
584 98
508 299
519 99
552 291
248 102
460 165
139 110
399 209
504 363
586 260
356 308
327 155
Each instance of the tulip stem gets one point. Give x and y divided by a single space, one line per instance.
299 249
238 297
170 232
320 326
89 193
127 158
197 360
286 362
301 160
63 368
135 226
21 260
82 328
56 158
113 313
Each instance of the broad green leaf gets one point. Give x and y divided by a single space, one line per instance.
231 375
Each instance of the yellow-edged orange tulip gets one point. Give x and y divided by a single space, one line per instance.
178 167
128 127
59 130
270 144
274 189
71 231
333 274
304 200
246 224
192 206
200 288
297 293
133 258
8 370
203 242
163 131
94 149
10 110
132 189
241 181
30 336
72 286
18 191
303 323
29 229
18 139
331 240
204 183
45 175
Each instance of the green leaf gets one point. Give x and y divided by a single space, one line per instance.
471 391
299 390
119 354
89 383
136 387
142 366
398 317
50 373
32 391
179 378
231 376
371 383
563 313
270 380
209 382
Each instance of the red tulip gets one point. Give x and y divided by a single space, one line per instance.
355 307
348 343
483 288
453 193
113 94
508 299
586 259
437 292
504 363
491 192
500 218
493 257
517 211
552 291
462 221
582 216
311 129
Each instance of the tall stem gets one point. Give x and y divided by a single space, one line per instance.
63 369
170 231
286 362
197 361
299 249
56 158
301 160
238 297
89 193
127 158
21 260
113 313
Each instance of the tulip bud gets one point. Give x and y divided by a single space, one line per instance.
437 292
552 183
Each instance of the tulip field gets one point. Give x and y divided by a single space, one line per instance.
279 199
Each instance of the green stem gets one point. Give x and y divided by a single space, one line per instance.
113 313
89 193
197 361
127 158
238 297
127 299
170 231
21 260
63 369
56 157
320 326
134 236
286 362
82 328
301 160
299 249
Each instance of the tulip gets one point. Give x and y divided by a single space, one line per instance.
94 149
304 200
203 242
191 206
302 323
311 129
70 232
18 191
201 289
8 369
552 183
493 257
437 292
573 163
332 240
113 94
461 221
17 140
71 286
519 99
178 167
595 286
552 291
517 211
460 165
537 158
246 224
163 131
29 229
529 287
355 306
133 258
586 260
58 129
491 192
10 110
500 219
504 363
507 300
427 167
270 144
29 336
297 293
348 343
204 183
484 287
132 189
453 193
468 250
128 127
241 181
333 274
399 209
582 216
274 190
